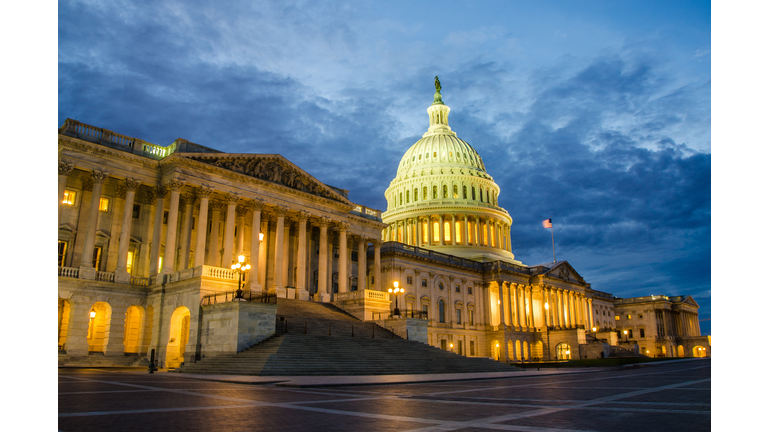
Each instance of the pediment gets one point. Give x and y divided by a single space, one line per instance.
102 234
689 300
272 168
66 226
563 270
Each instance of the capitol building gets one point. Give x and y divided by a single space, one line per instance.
148 236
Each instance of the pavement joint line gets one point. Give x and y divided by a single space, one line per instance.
482 422
150 410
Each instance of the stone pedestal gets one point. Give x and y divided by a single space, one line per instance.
407 328
122 277
87 272
231 327
322 297
302 294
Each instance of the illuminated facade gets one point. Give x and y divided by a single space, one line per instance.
146 232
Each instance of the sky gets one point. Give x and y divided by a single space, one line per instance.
595 114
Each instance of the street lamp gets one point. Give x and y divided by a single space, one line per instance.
396 291
241 268
626 338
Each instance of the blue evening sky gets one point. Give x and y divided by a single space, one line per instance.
596 114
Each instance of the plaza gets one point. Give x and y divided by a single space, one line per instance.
672 395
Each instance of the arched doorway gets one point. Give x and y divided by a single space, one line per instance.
699 351
511 350
680 351
518 350
537 350
133 329
64 310
563 351
496 350
177 340
98 317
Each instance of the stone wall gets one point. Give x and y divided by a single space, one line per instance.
231 327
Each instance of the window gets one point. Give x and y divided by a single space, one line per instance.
137 211
629 334
129 262
640 316
441 311
458 288
481 195
447 231
354 257
69 197
443 345
96 257
471 317
435 231
425 193
425 309
469 290
401 198
104 204
563 351
458 316
165 218
434 154
434 192
642 333
471 348
440 285
458 232
461 350
618 317
424 283
62 252
473 193
407 196
464 190
629 317
455 191
410 280
415 195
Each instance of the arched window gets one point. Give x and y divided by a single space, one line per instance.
481 195
407 196
445 191
401 198
425 193
473 194
563 351
434 192
441 311
464 189
415 195
455 191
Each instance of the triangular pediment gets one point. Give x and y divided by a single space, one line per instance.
563 270
689 300
272 168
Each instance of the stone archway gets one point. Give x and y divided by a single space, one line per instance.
680 351
496 350
98 320
65 308
563 351
178 337
133 330
699 351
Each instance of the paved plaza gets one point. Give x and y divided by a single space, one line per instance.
669 396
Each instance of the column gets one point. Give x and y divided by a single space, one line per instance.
477 230
286 252
64 170
186 231
121 275
488 232
419 232
502 315
466 231
154 260
214 245
240 212
115 329
560 309
591 314
86 264
229 230
255 206
453 229
343 277
497 234
529 291
362 247
441 229
322 265
521 305
301 262
430 228
150 197
277 274
173 215
203 193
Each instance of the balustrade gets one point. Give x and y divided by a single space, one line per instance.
70 272
105 276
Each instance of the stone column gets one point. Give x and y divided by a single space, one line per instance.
430 228
560 308
442 229
419 232
64 170
343 277
477 230
466 231
121 275
240 212
277 274
154 260
531 310
453 229
377 265
203 193
255 206
322 267
150 198
498 235
186 231
115 329
214 248
173 215
362 248
500 304
86 264
286 253
488 232
301 262
229 230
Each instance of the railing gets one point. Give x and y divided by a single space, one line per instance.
109 138
229 296
140 281
367 212
362 294
403 314
437 256
219 273
70 272
105 276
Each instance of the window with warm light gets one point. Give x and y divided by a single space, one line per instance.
129 262
618 317
471 317
447 230
62 252
96 257
436 232
458 316
441 311
69 197
104 204
471 348
458 232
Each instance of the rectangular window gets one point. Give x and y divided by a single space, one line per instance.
458 288
640 316
458 232
129 262
458 316
618 317
165 218
471 317
436 232
335 252
424 283
424 308
629 317
96 257
136 211
630 333
104 204
354 257
444 345
642 333
335 287
410 280
469 290
69 197
447 231
472 348
62 252
424 234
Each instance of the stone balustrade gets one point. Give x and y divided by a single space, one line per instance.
362 294
219 273
139 281
70 272
105 276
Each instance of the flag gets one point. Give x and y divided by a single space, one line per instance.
547 223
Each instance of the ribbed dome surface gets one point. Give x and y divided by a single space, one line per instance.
440 150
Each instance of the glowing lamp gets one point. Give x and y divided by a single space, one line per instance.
93 313
546 306
261 236
451 344
568 352
497 345
594 329
241 258
396 284
625 332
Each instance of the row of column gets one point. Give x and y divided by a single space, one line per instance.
567 308
560 308
485 231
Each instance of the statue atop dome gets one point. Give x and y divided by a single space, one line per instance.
438 96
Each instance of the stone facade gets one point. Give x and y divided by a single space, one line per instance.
147 232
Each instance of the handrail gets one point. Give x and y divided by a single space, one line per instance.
70 272
229 296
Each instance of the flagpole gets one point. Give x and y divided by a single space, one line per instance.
552 228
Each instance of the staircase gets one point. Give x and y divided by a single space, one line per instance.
317 353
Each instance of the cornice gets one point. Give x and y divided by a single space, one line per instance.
101 151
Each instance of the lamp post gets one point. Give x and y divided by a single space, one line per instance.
241 268
626 338
396 291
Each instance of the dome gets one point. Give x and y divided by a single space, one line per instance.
442 198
